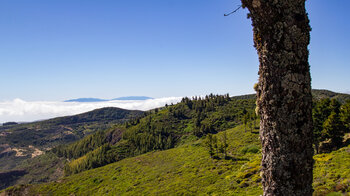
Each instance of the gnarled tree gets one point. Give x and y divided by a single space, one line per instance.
281 37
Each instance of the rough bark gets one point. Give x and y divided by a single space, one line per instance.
281 36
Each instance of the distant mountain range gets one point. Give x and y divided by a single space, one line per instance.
133 98
100 100
86 100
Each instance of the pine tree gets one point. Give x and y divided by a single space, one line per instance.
333 129
320 114
215 145
254 117
208 142
345 115
224 144
245 120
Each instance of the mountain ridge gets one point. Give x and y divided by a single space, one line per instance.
127 98
86 100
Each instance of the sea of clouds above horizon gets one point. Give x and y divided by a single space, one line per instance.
19 110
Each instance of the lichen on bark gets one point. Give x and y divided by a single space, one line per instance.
281 37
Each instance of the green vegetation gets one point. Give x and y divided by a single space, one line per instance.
332 172
20 144
187 169
159 129
63 130
320 113
96 158
189 120
190 170
345 115
330 124
324 94
203 145
81 147
216 146
45 168
250 149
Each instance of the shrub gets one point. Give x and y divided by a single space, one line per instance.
250 149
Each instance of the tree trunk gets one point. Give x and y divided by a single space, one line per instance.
281 36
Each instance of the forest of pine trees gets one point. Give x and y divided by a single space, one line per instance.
217 147
331 122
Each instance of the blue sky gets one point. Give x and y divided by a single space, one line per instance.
62 49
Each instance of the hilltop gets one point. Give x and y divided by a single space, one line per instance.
316 93
128 98
322 94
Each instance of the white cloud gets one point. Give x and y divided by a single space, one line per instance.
24 111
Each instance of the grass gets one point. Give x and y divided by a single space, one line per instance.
189 170
186 170
332 172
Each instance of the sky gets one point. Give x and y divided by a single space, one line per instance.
56 50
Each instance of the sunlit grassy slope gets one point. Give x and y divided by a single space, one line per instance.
332 172
189 170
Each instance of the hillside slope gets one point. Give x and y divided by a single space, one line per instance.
188 169
159 129
54 131
20 143
316 93
322 94
164 128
